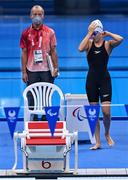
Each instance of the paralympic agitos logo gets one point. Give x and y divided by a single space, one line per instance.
78 114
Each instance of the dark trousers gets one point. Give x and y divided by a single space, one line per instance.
34 77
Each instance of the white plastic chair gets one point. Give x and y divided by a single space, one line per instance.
36 140
42 94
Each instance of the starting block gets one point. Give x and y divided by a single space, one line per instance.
45 153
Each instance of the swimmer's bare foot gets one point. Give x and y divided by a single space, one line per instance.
97 146
109 140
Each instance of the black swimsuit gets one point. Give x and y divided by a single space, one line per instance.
98 84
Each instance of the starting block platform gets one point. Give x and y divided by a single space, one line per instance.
45 153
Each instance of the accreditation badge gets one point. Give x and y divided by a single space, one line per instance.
38 56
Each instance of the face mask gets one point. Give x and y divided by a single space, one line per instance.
37 20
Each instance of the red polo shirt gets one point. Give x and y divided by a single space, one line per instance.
42 39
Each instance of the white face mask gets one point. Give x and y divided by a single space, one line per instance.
37 20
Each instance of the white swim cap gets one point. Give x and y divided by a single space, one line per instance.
99 26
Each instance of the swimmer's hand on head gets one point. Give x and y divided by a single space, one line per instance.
105 33
91 28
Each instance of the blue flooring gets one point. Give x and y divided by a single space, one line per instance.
106 157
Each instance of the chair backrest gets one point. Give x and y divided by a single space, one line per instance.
42 95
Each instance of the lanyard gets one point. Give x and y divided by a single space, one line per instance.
40 38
